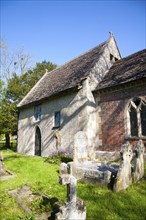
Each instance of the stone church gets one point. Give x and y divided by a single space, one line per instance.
98 92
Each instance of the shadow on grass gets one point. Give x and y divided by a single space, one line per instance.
15 156
54 207
13 147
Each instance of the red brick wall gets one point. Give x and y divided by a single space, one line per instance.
112 116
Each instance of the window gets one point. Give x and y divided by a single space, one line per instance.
112 58
57 119
37 112
143 119
133 121
137 118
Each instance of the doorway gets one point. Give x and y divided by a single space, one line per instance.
38 142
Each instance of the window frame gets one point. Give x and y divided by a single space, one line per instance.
138 114
57 119
38 112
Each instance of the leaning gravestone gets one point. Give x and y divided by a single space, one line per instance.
80 147
124 175
138 169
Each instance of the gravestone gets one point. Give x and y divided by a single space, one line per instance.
63 169
80 147
138 169
74 209
70 181
124 175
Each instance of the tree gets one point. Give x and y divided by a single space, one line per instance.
1 88
17 87
13 63
10 64
7 119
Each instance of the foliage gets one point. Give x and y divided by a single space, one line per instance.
101 202
27 217
1 88
8 115
13 144
19 86
39 205
58 156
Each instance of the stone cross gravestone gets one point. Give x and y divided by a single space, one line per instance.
70 181
80 147
74 209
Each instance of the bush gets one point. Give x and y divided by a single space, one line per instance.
59 156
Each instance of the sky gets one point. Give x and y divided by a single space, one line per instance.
59 31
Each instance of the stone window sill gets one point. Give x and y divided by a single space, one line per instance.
55 127
135 138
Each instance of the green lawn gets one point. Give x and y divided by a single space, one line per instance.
42 176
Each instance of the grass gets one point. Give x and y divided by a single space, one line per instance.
42 176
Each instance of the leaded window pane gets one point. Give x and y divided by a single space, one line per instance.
57 119
37 112
143 119
133 121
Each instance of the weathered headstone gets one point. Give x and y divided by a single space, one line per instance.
124 175
138 169
80 147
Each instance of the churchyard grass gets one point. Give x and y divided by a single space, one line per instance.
42 176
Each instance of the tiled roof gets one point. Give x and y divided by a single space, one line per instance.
125 70
65 77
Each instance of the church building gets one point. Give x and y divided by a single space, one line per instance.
98 92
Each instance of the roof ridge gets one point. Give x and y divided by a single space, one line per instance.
129 56
125 70
82 54
133 54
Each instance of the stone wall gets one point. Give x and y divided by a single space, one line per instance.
97 73
70 108
77 114
104 63
113 117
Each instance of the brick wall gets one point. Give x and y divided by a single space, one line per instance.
112 115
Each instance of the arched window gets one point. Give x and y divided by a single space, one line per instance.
143 119
137 118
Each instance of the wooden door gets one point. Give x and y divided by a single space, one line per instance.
38 142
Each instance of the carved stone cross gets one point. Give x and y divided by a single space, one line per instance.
71 182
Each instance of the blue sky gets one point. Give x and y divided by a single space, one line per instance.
58 31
